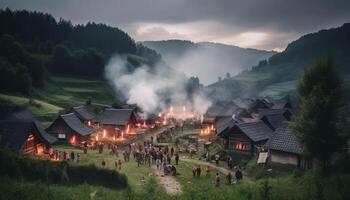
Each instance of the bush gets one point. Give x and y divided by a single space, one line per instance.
20 167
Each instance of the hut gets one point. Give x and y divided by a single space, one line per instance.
284 148
244 138
116 121
274 120
83 114
69 128
20 131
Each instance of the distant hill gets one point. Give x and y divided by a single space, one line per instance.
277 76
207 60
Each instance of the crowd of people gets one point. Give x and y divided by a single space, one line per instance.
165 158
65 156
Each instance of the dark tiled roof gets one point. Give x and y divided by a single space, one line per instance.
224 108
112 116
280 104
223 122
82 113
284 140
14 133
69 122
274 120
24 115
269 111
74 123
256 131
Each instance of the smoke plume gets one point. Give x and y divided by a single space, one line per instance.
153 87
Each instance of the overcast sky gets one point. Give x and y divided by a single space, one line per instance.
262 24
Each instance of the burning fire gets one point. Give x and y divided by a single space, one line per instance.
177 112
127 129
73 140
207 130
104 133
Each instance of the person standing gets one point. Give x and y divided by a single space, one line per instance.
120 164
199 171
171 151
72 156
158 163
103 163
217 157
217 180
239 176
177 158
208 170
229 178
78 157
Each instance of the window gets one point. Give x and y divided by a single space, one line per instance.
62 136
241 146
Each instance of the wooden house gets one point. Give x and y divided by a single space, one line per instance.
21 132
244 138
69 128
284 148
83 114
115 121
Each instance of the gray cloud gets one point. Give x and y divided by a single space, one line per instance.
221 20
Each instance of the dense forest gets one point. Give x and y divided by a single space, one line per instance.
34 44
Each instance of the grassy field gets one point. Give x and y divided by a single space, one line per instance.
279 90
61 93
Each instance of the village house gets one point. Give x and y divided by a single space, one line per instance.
115 122
83 114
20 131
244 138
69 128
220 111
284 148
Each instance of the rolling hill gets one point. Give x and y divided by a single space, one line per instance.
278 75
207 60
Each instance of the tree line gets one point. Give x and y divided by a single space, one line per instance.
35 43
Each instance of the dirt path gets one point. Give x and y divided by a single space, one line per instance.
221 169
171 186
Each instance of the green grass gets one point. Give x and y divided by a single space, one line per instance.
67 91
135 174
61 93
279 90
43 110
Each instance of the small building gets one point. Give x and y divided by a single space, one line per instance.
116 121
83 114
284 148
69 128
20 131
285 112
245 138
274 120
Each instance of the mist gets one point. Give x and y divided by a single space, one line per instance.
152 88
208 61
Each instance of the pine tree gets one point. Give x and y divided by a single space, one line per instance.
320 93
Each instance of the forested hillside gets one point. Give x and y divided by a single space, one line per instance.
277 75
33 44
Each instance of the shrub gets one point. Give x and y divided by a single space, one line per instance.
20 167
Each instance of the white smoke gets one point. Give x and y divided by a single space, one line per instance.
150 87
